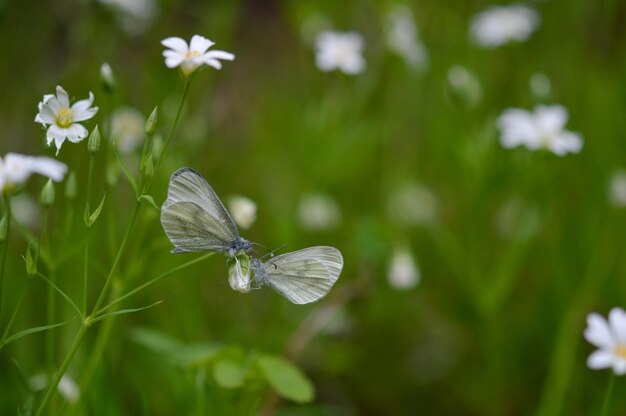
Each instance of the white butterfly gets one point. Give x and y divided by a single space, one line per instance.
195 219
301 276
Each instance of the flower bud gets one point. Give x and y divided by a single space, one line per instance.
107 78
93 145
151 124
70 186
239 273
46 198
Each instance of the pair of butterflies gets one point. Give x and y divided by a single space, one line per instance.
195 219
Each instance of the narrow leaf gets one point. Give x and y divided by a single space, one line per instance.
124 311
131 179
150 201
29 331
62 293
94 216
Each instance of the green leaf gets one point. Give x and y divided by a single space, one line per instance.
29 331
94 216
287 379
228 374
124 311
62 293
175 351
149 200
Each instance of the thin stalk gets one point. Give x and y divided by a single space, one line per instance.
116 262
3 261
607 396
15 311
86 262
154 280
171 132
52 386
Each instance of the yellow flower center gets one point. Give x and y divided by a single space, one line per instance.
620 349
192 54
64 118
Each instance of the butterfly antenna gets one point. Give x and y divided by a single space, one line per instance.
271 252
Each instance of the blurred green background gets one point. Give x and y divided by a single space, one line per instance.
514 247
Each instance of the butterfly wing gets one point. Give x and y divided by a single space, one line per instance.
193 217
304 276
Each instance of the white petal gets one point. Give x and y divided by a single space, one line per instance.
76 132
617 322
45 115
62 97
214 63
176 44
226 56
619 366
49 167
17 168
200 44
353 65
550 118
53 103
82 111
598 332
600 359
173 60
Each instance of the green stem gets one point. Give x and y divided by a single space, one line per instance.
607 397
154 280
3 261
87 213
15 311
61 371
116 262
171 132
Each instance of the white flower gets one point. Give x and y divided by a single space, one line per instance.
343 51
617 189
127 129
67 386
541 129
318 212
502 24
133 15
403 39
243 210
15 169
610 338
412 204
191 57
63 119
403 272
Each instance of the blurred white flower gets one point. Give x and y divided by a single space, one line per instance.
133 15
196 54
403 37
502 24
464 87
617 189
239 273
243 210
541 129
67 386
15 169
337 50
403 272
127 129
610 338
107 77
63 119
540 85
26 210
318 212
412 204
